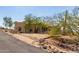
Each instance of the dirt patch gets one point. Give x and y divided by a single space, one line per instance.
60 43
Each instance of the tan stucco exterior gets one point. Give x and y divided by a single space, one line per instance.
19 27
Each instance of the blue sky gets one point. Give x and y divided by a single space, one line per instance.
17 13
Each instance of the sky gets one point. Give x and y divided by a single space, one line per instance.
17 13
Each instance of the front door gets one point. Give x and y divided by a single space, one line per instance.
19 29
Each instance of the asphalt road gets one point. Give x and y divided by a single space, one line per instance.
9 44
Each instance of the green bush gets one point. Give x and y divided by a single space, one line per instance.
54 31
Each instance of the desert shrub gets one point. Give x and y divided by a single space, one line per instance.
13 31
77 41
66 41
69 41
54 31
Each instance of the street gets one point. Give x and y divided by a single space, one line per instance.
9 44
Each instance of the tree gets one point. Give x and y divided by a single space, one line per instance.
67 23
35 23
8 22
75 11
28 21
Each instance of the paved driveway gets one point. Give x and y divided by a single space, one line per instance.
9 44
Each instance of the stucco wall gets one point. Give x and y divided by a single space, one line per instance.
19 25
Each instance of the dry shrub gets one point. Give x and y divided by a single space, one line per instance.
13 31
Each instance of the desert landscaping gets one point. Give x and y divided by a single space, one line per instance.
49 44
46 34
